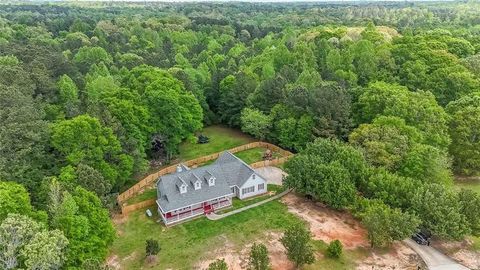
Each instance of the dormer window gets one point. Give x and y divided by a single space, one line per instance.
211 181
198 185
183 189
253 177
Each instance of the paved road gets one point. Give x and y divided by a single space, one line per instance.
434 259
213 216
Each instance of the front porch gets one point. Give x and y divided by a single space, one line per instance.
192 211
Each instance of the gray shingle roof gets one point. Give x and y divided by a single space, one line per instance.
228 171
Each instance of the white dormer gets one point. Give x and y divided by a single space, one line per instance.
183 188
211 181
198 185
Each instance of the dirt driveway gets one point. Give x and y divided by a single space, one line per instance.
273 175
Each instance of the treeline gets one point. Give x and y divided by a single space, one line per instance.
89 95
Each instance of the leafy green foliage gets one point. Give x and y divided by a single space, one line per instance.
218 265
26 243
296 241
335 249
152 247
385 224
440 211
464 126
258 259
83 140
321 171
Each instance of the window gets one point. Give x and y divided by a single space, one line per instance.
248 190
253 177
211 181
261 186
197 185
183 188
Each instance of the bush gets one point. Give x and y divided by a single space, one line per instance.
259 258
152 247
335 249
218 265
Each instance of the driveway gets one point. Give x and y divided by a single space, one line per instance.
434 259
273 175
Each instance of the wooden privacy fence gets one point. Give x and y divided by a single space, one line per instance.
130 208
152 178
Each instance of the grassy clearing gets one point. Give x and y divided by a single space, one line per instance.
221 138
345 262
146 195
254 155
197 237
473 184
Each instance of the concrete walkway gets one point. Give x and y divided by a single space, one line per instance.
434 259
213 216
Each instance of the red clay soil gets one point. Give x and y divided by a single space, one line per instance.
327 224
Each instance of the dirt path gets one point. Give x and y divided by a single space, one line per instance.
237 258
327 224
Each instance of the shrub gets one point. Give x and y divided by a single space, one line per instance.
335 249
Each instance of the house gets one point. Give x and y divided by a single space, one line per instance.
188 193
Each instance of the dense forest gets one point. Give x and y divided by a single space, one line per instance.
381 103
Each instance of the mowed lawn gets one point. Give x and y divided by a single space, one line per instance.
221 138
185 244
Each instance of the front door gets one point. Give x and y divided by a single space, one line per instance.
207 208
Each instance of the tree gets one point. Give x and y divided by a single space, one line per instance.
440 211
258 259
14 198
464 127
256 123
87 56
385 224
234 91
451 83
84 140
68 95
329 183
335 249
152 247
470 208
386 141
218 265
85 223
296 241
23 132
25 242
418 109
46 250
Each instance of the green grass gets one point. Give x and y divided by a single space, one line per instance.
237 203
476 242
472 184
146 195
183 245
345 262
221 138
